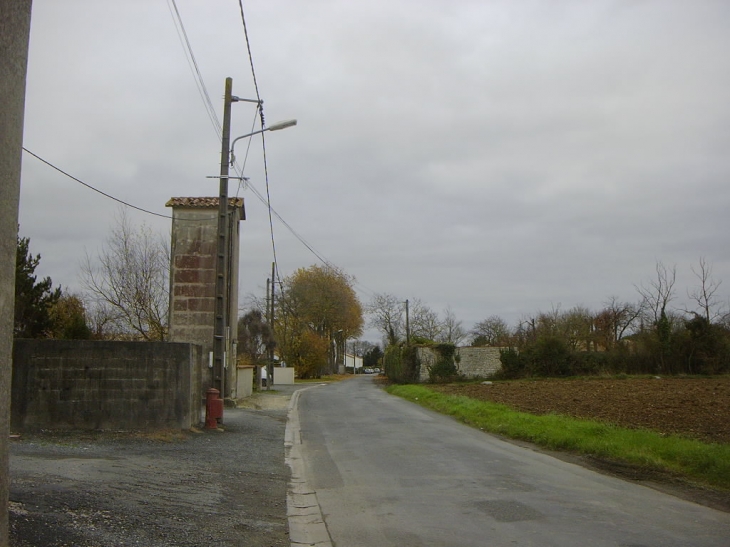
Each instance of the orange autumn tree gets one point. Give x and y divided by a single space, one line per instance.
318 311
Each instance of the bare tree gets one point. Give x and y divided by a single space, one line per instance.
130 280
706 294
451 330
424 321
658 293
493 331
103 320
386 314
614 320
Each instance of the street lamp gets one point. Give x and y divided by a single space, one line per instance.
338 335
274 127
222 281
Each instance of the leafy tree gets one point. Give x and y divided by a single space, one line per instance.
309 355
372 358
68 319
323 297
33 299
707 347
255 337
318 300
576 328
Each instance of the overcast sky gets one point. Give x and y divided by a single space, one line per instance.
498 157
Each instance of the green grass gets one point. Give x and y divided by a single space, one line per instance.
702 462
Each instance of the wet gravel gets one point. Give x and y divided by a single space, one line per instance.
165 489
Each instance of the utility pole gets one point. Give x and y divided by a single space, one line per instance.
270 365
14 36
269 282
221 266
408 327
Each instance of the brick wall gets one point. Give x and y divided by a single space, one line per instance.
474 362
81 384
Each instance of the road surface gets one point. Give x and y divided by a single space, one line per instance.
388 472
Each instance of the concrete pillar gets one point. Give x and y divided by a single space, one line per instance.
192 277
14 34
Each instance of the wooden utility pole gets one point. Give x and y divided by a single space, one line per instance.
270 365
408 327
221 265
14 36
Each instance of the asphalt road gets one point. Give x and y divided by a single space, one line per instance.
388 472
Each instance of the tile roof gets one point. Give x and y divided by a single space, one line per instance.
202 202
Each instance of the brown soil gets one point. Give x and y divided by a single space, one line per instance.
693 407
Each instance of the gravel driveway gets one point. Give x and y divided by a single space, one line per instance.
118 489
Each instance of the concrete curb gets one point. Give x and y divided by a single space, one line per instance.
306 525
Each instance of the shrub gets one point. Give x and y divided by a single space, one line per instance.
401 364
513 364
445 368
549 356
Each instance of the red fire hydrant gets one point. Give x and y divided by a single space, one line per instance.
213 408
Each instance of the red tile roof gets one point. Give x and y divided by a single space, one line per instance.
203 203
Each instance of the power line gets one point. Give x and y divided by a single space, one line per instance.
210 109
263 138
250 57
193 64
90 187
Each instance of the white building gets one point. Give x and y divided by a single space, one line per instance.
353 359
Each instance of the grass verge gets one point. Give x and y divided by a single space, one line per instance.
698 461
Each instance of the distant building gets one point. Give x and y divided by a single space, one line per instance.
351 360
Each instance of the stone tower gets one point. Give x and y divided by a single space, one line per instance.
192 278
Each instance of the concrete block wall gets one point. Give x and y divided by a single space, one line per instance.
90 385
474 362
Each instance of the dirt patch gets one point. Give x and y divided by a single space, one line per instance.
693 407
267 400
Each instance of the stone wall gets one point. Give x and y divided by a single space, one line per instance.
478 362
82 384
473 362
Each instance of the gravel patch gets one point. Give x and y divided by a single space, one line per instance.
164 489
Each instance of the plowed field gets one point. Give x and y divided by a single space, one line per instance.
693 407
